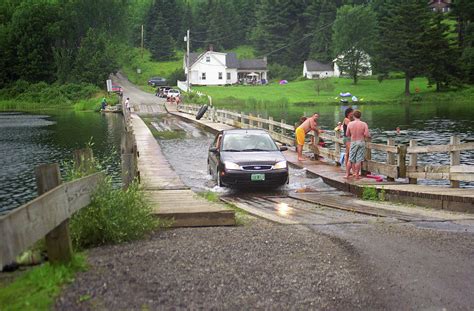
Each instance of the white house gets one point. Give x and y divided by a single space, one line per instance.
315 70
365 63
214 68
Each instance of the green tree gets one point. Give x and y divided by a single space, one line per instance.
354 33
95 59
35 29
443 69
401 39
324 14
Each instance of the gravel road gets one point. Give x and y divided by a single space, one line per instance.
256 266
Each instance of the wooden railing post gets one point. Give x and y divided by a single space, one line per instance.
58 241
337 148
259 122
270 124
454 158
242 120
83 160
390 156
250 120
367 157
412 161
402 166
282 129
129 155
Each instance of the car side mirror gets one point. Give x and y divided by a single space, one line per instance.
283 148
213 149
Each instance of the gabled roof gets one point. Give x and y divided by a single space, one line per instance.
313 65
253 64
231 60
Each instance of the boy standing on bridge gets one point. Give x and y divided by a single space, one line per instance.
358 131
309 124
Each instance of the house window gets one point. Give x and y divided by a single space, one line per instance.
208 59
228 76
220 75
203 76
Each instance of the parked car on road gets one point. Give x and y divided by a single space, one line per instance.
117 89
247 158
162 90
173 93
157 81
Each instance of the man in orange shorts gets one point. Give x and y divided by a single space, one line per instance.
309 124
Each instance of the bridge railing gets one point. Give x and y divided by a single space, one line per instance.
48 214
400 160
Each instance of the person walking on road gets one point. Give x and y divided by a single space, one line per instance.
358 131
127 104
309 124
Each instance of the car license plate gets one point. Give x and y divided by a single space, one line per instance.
257 177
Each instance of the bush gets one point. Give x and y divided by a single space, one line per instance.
370 193
280 72
176 75
114 216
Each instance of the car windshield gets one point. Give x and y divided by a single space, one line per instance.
238 142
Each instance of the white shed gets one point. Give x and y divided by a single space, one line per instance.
316 70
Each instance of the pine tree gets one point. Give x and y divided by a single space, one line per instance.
401 41
442 69
324 12
161 44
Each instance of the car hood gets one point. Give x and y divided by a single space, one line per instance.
257 157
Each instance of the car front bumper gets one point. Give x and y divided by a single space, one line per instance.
240 178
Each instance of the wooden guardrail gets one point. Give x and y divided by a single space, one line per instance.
47 215
395 164
129 151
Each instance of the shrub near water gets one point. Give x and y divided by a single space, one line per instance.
114 216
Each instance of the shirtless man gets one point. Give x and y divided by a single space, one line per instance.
309 124
357 131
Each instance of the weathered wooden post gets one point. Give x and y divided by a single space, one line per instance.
242 120
412 161
250 120
282 130
270 125
454 158
367 157
128 155
259 121
390 156
402 166
337 147
58 241
83 160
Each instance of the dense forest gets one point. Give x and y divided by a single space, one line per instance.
84 40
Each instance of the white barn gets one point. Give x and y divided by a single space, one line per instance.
214 68
315 70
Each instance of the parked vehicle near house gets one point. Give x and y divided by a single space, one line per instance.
157 81
247 158
173 93
162 90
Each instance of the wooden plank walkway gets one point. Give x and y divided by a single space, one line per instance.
453 199
171 198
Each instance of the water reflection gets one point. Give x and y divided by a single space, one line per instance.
28 140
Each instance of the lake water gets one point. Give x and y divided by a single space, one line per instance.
28 140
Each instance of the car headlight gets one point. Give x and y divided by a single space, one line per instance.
279 165
231 166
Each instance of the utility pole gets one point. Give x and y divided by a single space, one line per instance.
142 41
187 62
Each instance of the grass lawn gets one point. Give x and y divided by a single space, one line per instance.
36 289
369 90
